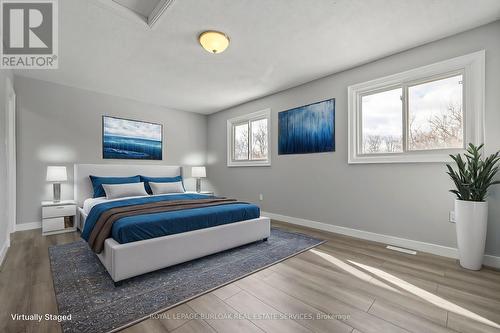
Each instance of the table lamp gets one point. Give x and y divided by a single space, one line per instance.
198 173
56 175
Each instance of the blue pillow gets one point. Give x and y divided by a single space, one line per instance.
98 181
146 181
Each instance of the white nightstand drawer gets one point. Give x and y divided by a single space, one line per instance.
58 211
53 224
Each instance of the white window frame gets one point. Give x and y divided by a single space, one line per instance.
263 114
471 66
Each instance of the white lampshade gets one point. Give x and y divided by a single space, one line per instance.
57 174
199 172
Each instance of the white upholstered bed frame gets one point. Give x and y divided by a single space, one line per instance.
124 261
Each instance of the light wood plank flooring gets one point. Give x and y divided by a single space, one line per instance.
344 285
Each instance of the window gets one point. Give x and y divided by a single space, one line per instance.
435 114
382 122
421 115
248 140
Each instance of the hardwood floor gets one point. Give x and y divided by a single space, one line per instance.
344 285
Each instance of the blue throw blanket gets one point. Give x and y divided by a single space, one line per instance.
146 226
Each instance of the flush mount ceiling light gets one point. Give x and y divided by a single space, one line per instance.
214 41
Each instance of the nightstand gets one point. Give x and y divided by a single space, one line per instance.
58 217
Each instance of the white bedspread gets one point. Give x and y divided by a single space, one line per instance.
89 203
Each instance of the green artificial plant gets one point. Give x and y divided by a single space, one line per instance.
474 175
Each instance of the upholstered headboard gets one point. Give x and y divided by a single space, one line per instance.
83 186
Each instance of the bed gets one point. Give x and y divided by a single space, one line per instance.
148 242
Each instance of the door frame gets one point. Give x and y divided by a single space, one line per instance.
10 132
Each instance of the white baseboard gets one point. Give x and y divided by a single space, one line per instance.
491 261
440 250
28 226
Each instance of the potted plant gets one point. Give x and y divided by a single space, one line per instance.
472 180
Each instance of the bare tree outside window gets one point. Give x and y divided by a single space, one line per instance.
259 139
445 130
372 143
436 115
377 144
241 142
392 144
382 122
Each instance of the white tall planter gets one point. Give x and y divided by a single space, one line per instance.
472 220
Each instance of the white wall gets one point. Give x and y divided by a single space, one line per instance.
4 74
60 125
404 200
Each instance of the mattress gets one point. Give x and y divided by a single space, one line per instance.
147 226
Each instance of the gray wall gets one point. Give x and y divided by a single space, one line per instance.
4 74
60 125
404 200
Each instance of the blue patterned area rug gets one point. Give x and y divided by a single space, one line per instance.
85 290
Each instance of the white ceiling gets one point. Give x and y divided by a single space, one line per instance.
275 44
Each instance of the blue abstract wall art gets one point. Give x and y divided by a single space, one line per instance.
307 129
131 139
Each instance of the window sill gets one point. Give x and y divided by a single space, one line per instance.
250 164
405 158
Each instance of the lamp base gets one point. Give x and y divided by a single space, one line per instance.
57 192
198 185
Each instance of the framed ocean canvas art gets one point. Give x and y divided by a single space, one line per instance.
307 129
131 139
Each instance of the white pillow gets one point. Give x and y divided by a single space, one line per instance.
164 188
115 191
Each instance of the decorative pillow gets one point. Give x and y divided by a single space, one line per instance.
164 188
146 180
98 181
115 191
